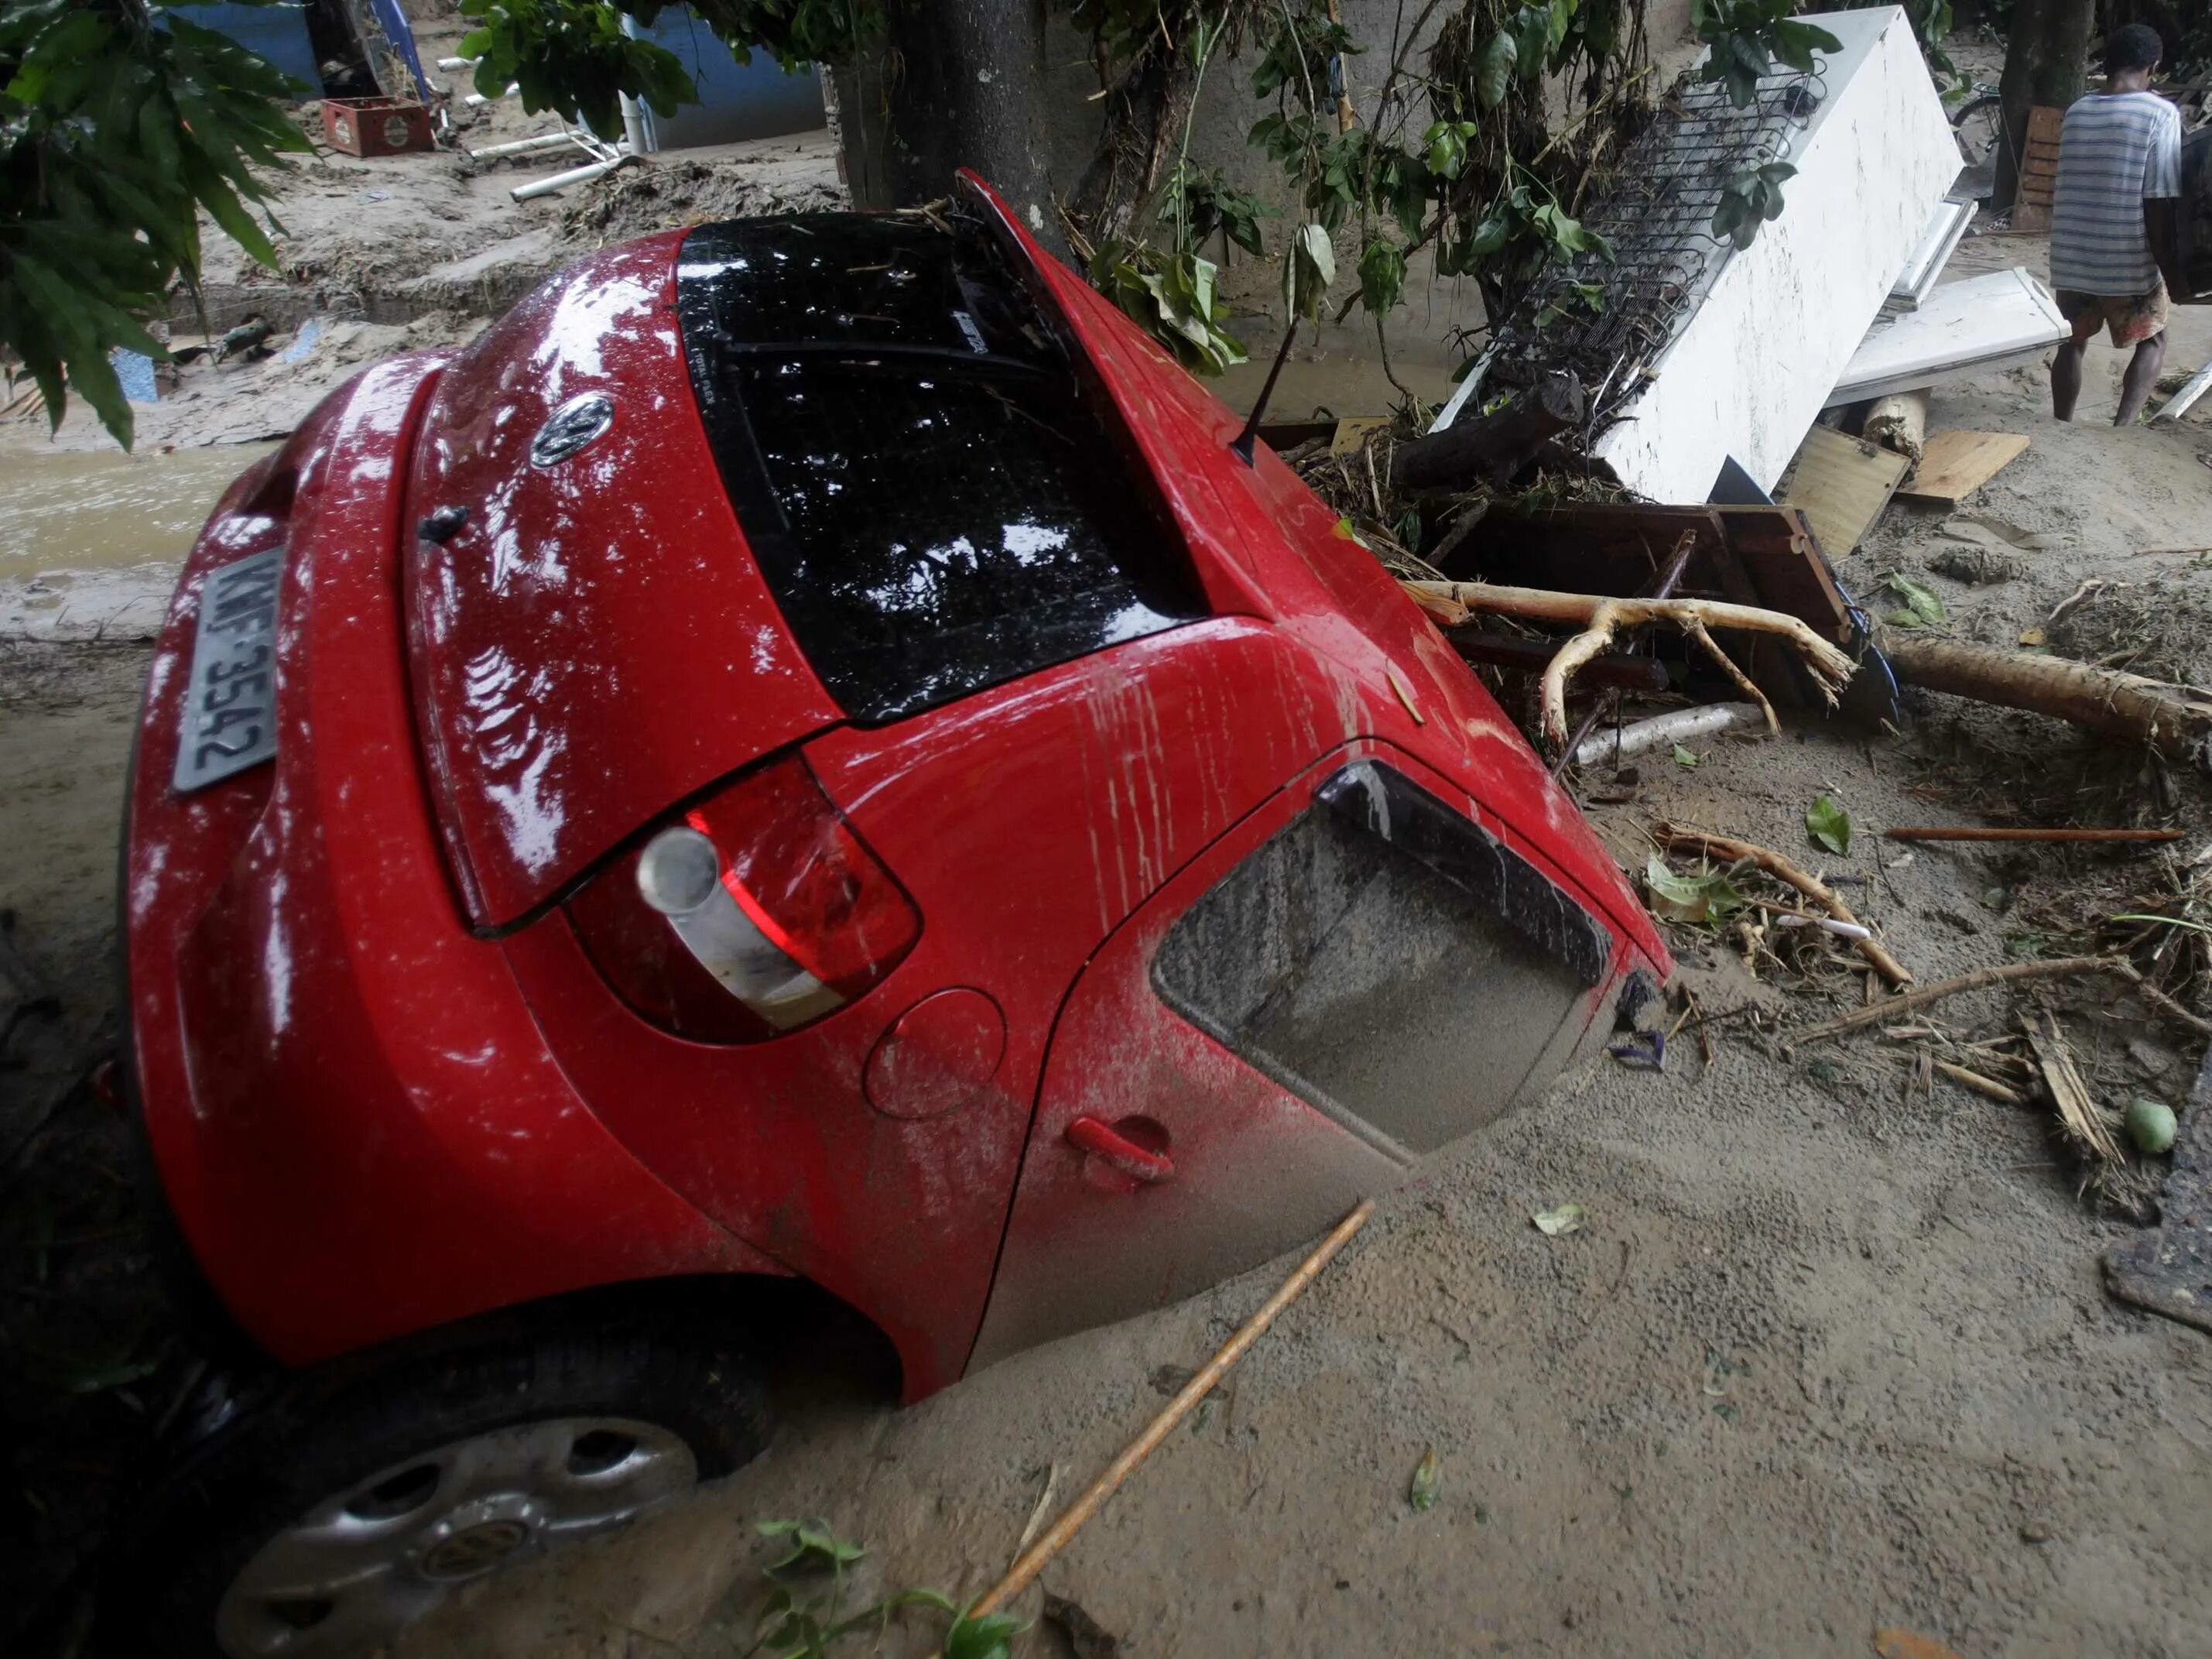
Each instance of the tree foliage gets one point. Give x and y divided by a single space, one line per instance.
119 122
572 57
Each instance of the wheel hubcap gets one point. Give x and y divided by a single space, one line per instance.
357 1568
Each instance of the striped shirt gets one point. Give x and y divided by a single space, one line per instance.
2115 150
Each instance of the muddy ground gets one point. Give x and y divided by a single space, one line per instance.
1831 1353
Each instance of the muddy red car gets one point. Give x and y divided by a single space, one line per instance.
798 776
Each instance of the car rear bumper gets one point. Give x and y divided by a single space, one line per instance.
353 1117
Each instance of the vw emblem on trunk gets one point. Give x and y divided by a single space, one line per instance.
571 426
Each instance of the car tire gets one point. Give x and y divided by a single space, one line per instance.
327 1509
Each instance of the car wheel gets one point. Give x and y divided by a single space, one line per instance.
342 1506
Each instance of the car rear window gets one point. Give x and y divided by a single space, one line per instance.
923 481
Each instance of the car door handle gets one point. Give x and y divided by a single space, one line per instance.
1110 1146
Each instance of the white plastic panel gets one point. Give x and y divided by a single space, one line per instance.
1963 327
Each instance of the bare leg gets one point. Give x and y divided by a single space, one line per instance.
2066 378
2141 376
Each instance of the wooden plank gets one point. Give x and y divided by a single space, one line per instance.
1841 484
1954 465
2038 171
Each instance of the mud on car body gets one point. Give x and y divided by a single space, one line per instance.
797 778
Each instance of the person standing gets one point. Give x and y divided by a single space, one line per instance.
2115 221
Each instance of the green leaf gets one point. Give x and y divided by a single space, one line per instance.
1685 758
1382 276
1421 1491
987 1637
1923 602
1309 270
1493 72
1707 898
1559 1220
1830 825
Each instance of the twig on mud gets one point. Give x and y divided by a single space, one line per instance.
2159 1000
1034 1559
1889 1007
1972 832
1980 1085
1774 864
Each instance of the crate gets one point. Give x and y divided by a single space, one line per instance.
376 126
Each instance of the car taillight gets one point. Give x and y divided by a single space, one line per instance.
757 912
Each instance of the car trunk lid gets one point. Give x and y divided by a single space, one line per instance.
594 642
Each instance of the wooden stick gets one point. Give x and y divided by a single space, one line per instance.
2055 967
1970 832
1696 630
1980 1085
1033 1561
1819 892
2159 1000
1592 641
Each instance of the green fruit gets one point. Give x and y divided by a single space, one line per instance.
2150 1125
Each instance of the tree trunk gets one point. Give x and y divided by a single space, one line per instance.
2169 718
1145 114
2044 59
1492 446
958 84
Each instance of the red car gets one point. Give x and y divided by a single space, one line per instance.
797 777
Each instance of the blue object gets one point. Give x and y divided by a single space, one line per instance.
278 33
400 35
135 370
735 100
309 336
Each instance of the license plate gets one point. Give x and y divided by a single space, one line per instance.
229 719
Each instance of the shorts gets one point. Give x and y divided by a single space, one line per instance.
2132 318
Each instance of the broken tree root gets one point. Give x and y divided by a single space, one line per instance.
2121 705
2055 968
1724 847
1598 615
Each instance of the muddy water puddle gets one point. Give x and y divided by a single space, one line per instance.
91 542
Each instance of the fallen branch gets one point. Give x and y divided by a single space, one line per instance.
1494 446
1971 832
1590 642
1528 656
2158 998
2105 699
1726 847
1598 614
2011 972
